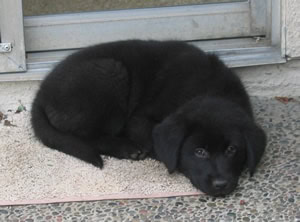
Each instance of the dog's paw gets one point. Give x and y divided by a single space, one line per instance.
138 155
133 153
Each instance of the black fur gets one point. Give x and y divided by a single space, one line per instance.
132 99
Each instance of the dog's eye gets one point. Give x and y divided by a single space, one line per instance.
201 153
230 151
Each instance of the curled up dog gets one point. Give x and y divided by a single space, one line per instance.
166 100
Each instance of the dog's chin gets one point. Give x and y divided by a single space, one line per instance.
209 190
219 193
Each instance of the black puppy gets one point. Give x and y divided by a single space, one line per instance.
167 100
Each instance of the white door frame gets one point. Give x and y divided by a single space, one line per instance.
186 23
11 31
237 52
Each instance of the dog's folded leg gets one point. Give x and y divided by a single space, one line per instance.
119 147
139 129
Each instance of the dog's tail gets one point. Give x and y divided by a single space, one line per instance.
61 141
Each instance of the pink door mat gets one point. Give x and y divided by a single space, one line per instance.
31 173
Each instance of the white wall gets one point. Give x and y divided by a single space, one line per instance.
272 80
292 28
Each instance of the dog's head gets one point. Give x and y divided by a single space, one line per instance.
210 141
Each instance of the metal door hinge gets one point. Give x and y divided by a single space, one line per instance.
5 47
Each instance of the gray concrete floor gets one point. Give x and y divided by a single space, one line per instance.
271 195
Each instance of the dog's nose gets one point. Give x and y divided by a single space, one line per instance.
219 184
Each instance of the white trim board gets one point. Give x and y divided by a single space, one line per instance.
38 68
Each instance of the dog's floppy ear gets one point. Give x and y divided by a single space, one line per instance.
255 144
168 137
